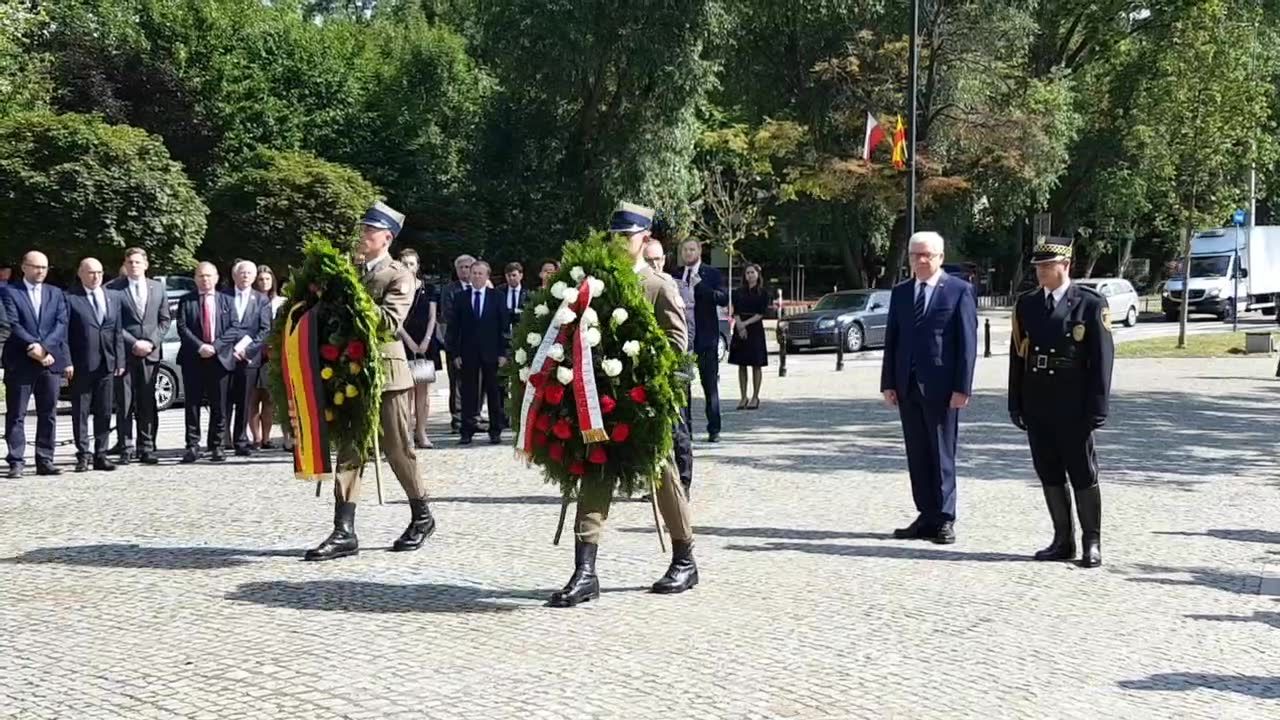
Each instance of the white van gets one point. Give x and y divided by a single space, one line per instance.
1220 285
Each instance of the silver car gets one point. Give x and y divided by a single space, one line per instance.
1120 295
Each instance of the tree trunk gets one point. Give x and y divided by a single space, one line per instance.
1126 254
897 255
1088 269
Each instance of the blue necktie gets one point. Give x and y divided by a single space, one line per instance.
920 304
475 303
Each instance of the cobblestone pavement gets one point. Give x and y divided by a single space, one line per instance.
178 593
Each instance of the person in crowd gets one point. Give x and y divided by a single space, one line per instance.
547 272
419 337
477 334
655 256
144 322
6 273
930 352
97 353
448 294
261 405
210 335
35 357
747 349
703 291
253 322
513 294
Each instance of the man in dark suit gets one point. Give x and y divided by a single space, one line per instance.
477 334
209 332
97 358
144 322
514 294
5 327
930 350
35 357
253 323
702 288
448 295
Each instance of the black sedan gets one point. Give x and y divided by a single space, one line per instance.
855 317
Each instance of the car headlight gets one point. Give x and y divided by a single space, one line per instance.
826 323
783 325
1215 293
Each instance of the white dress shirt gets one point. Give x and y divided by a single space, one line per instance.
513 298
242 302
471 300
1057 294
99 301
139 290
929 286
34 293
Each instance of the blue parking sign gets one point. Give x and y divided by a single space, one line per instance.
1237 219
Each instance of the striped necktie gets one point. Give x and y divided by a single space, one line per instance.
919 306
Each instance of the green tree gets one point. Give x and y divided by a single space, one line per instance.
24 84
76 186
266 209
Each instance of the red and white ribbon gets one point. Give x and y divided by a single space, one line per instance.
542 366
586 397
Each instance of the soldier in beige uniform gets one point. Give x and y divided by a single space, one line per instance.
635 223
391 286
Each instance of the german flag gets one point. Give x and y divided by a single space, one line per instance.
300 366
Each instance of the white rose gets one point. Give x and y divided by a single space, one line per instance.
557 290
590 317
570 295
597 287
611 367
564 375
556 352
521 356
524 375
566 316
593 337
631 348
577 273
534 339
619 316
541 310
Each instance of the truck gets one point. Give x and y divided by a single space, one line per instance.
1232 270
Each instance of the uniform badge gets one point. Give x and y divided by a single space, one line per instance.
1077 333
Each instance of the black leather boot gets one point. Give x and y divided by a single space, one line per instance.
342 541
682 574
421 526
583 585
1063 547
1089 508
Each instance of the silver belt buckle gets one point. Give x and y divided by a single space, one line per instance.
1042 362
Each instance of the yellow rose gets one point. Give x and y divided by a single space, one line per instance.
328 415
352 391
355 368
326 373
338 399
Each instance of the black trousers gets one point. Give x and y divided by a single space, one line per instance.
92 394
930 429
206 381
1059 452
709 372
44 386
683 437
455 397
478 375
244 381
136 393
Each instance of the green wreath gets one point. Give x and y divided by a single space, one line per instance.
635 369
352 331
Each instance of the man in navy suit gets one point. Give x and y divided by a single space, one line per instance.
97 353
702 288
477 334
34 359
931 346
208 330
253 320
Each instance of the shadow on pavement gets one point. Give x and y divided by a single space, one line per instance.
143 557
783 533
1239 583
1258 536
882 551
499 500
1266 688
1266 618
372 597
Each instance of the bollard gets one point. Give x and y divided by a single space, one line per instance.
840 330
782 350
986 352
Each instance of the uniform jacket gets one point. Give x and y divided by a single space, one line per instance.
391 286
481 338
661 291
943 348
95 346
191 330
50 330
148 323
1060 364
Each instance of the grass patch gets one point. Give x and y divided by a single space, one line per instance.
1210 345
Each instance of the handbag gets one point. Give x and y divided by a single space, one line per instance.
423 370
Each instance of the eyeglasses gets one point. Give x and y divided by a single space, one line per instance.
924 256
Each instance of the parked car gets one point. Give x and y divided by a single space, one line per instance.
169 390
855 317
723 342
177 287
1120 295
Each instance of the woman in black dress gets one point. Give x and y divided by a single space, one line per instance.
262 410
747 349
418 335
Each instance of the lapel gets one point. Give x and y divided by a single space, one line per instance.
21 290
83 294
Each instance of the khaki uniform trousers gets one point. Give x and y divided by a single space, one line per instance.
594 501
397 445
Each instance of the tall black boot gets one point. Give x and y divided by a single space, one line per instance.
583 585
421 526
1089 508
682 574
342 541
1063 547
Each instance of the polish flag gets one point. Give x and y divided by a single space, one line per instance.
875 136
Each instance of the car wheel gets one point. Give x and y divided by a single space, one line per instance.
166 389
854 338
1131 317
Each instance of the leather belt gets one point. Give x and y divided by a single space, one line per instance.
1047 362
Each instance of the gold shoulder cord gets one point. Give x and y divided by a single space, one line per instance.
1020 343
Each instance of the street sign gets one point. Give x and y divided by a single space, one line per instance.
1237 219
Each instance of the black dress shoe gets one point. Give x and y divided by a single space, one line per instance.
682 574
945 535
124 459
150 459
102 463
464 440
342 541
244 451
190 456
421 526
82 465
495 439
15 472
915 531
583 585
713 437
217 456
48 470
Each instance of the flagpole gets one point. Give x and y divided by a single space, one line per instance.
914 62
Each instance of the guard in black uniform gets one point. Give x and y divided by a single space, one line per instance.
1059 382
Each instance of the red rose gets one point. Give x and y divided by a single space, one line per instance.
563 429
554 394
355 350
330 352
620 433
556 452
577 468
539 439
537 380
639 395
607 404
543 422
597 455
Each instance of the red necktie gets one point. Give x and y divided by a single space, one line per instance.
207 316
